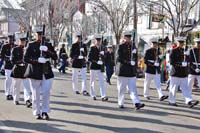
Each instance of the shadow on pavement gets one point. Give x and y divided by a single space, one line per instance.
129 118
83 105
35 127
114 129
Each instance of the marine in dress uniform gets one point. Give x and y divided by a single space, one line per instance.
109 63
40 73
18 71
194 68
179 75
78 54
96 58
126 66
5 55
152 72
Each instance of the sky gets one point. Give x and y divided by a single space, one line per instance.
10 3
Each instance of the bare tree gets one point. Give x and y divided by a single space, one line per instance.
48 12
175 13
118 12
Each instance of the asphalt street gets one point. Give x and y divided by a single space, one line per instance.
77 113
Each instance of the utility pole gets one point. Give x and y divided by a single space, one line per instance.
135 20
50 18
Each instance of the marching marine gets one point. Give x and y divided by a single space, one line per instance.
38 54
153 63
18 71
96 58
126 65
179 74
194 68
78 54
5 55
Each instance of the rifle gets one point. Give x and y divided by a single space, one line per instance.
133 47
103 65
42 54
81 45
186 48
27 38
43 40
133 50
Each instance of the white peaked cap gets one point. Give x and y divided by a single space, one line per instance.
22 35
97 36
127 33
10 34
78 34
109 46
39 29
180 39
197 39
154 40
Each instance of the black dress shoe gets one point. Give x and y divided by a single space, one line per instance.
139 105
193 103
163 98
7 97
104 99
85 93
173 104
45 116
121 106
108 81
148 98
16 103
38 117
94 98
77 92
28 104
10 97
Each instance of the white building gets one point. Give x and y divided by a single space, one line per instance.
9 9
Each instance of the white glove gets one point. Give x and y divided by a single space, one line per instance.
156 64
100 62
41 60
160 56
186 53
102 52
82 49
184 64
80 57
197 70
134 51
44 48
132 63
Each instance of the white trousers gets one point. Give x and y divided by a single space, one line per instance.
43 86
122 84
17 86
75 73
93 74
183 83
8 83
191 79
157 82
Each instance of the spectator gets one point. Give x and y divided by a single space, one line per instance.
63 59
